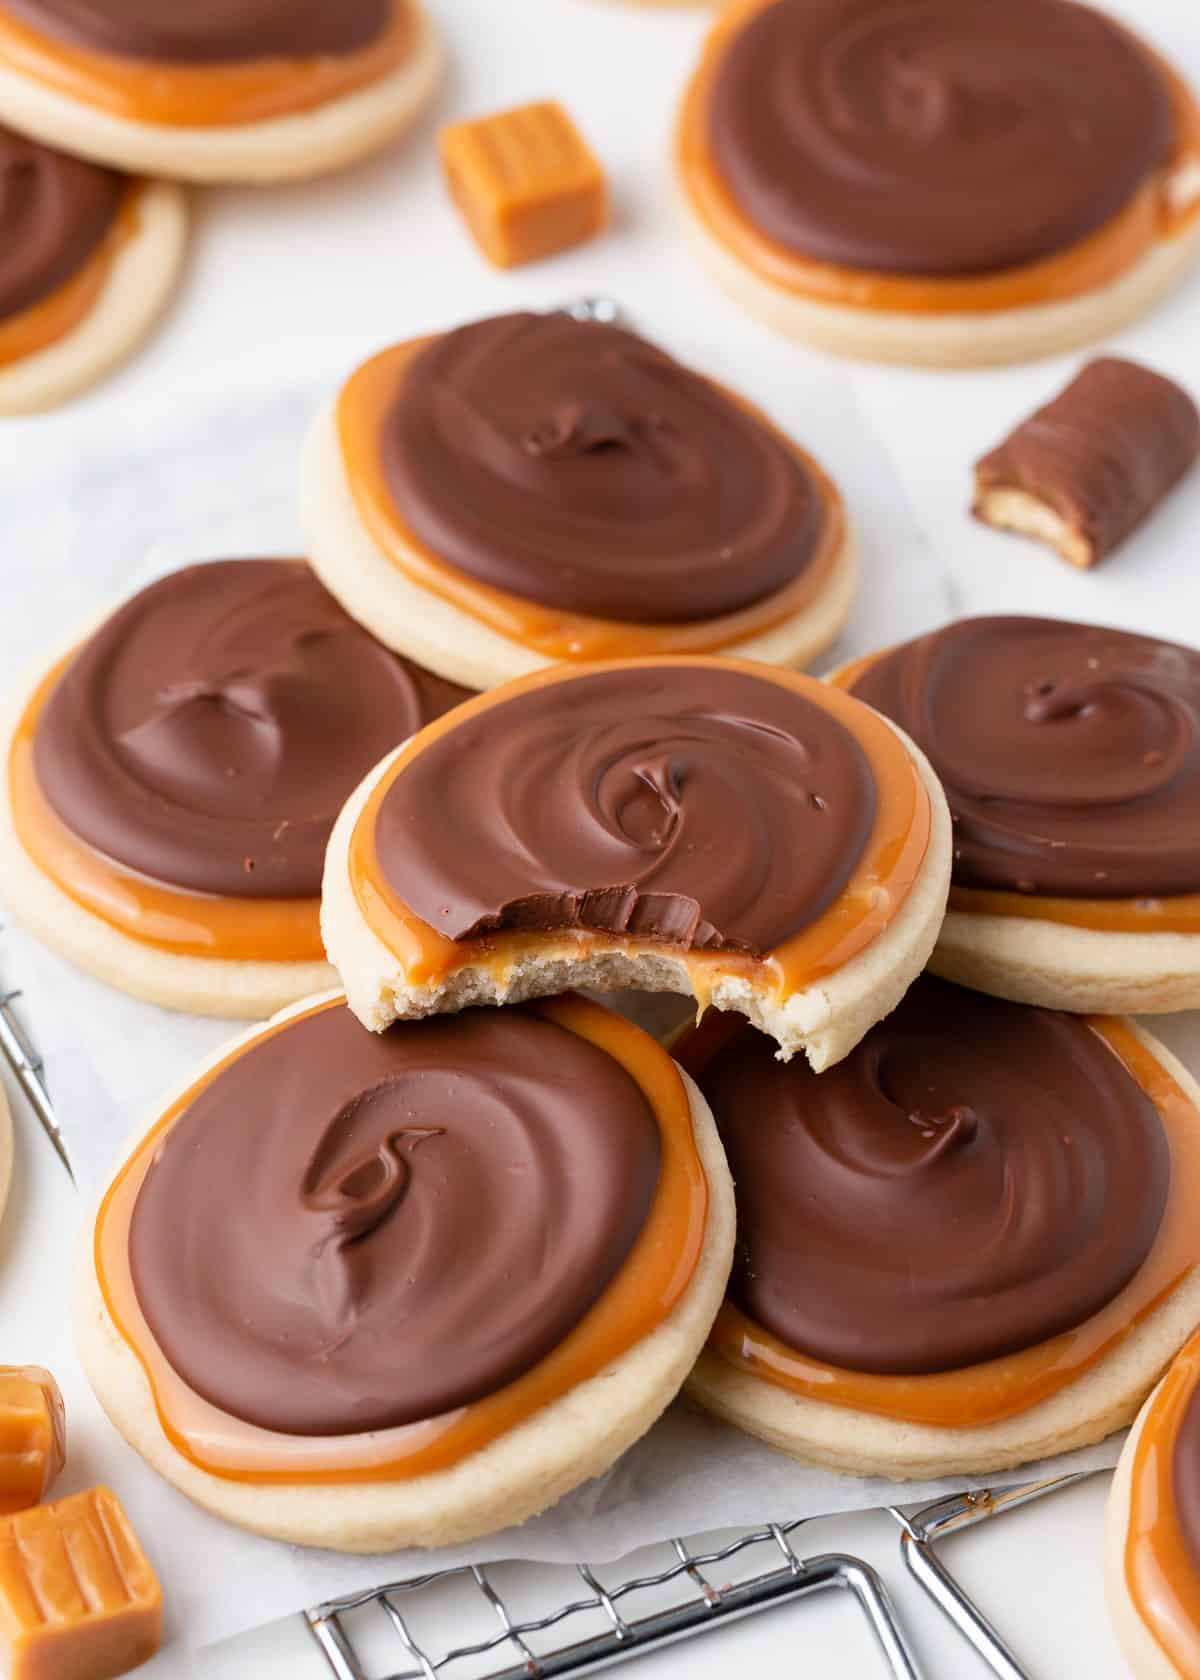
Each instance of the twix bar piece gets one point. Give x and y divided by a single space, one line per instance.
1084 471
33 1436
526 182
78 1597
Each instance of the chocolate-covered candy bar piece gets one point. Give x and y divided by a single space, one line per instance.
1083 472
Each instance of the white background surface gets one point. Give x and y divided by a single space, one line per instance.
304 281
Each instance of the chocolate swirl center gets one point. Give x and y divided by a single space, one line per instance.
935 137
974 1178
209 732
208 31
694 804
576 465
346 1232
1070 754
54 211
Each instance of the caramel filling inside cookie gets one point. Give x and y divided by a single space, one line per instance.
611 1167
531 490
1154 210
1012 1383
746 820
188 94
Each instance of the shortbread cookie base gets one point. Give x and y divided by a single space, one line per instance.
1104 1398
142 277
575 1438
1139 1647
197 985
460 647
279 148
990 338
1034 960
825 1020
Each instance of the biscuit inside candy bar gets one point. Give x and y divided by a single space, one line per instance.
1084 471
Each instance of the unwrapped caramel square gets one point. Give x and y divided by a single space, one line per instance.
33 1436
78 1597
526 182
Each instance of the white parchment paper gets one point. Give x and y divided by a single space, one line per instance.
90 526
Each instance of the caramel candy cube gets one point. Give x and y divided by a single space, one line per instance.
526 182
33 1437
78 1597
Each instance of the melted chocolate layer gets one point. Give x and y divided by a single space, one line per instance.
693 804
935 136
54 211
1103 454
1070 755
209 732
346 1232
1185 1477
208 31
578 466
974 1178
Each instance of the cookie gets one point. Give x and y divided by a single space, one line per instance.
88 259
970 1245
533 488
853 217
1152 1536
173 775
1068 755
198 93
712 827
422 1318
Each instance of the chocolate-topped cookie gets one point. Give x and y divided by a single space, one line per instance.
1070 756
174 777
531 488
836 158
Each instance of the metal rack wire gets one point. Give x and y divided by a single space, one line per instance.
706 1592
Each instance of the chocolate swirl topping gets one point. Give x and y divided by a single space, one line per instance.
208 31
576 465
935 137
346 1232
1070 754
209 732
974 1178
54 211
695 804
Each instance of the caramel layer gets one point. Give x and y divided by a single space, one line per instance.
642 1295
1160 1573
1102 915
873 896
33 1439
1004 1388
186 923
202 96
1086 266
363 406
57 314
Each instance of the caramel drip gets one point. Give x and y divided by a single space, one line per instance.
362 408
1003 1388
1160 1572
1178 914
1086 266
186 923
202 96
643 1294
873 896
54 316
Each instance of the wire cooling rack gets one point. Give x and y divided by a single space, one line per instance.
375 1635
